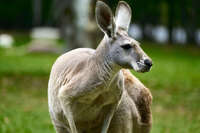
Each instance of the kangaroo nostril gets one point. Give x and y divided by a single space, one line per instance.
148 62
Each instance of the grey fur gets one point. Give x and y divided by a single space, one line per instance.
88 91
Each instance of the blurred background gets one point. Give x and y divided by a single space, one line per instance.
33 33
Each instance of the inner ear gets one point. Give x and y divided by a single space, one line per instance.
123 15
104 18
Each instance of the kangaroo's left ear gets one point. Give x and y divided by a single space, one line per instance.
123 15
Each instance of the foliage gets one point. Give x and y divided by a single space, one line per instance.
17 13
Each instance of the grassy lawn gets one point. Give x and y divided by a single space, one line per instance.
174 81
175 84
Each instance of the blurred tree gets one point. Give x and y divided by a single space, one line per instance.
171 17
76 21
74 25
37 17
192 11
15 14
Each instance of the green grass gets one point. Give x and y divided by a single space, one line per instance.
174 82
17 61
24 110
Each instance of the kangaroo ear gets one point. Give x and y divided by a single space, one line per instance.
123 15
105 19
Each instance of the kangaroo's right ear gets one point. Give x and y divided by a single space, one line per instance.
123 15
105 19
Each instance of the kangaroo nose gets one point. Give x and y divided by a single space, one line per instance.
148 62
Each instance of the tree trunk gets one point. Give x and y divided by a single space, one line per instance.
37 17
170 19
77 22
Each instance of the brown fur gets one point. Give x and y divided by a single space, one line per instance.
134 111
143 100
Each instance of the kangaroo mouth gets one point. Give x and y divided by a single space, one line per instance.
142 67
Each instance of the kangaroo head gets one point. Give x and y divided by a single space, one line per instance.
123 50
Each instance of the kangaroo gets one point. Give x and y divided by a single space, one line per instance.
91 91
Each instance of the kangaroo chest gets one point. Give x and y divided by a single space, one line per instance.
93 106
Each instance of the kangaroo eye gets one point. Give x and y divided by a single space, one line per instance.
126 46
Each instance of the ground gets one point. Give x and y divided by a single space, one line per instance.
173 81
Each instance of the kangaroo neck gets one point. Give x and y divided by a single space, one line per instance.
106 68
